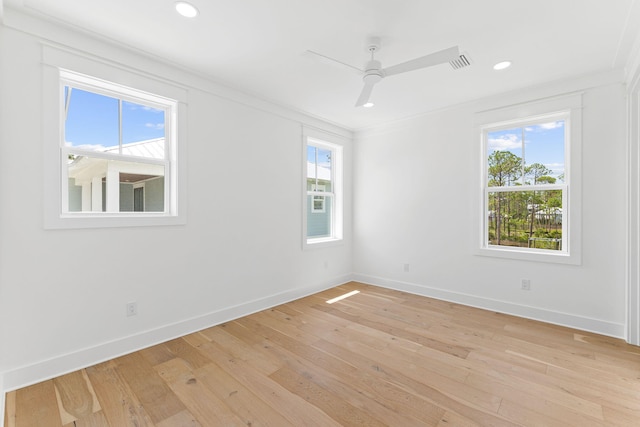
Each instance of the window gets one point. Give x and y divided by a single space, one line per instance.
529 202
114 139
525 184
323 191
112 150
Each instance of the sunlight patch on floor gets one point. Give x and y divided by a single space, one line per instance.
341 297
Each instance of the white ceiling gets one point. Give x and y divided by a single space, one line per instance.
258 46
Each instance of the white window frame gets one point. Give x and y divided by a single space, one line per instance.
569 109
335 196
62 67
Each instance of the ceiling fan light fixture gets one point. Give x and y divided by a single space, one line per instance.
186 9
502 65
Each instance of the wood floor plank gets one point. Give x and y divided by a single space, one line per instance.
37 405
528 417
181 419
339 409
120 405
205 406
10 409
367 398
94 419
378 357
310 361
306 359
554 404
485 351
182 349
314 322
406 351
555 358
626 394
389 307
290 405
591 391
157 398
157 354
617 417
196 339
441 383
419 385
250 408
375 322
272 320
450 419
240 349
75 395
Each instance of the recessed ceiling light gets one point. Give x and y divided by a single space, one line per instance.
502 65
368 105
186 9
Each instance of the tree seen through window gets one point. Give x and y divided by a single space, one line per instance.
525 186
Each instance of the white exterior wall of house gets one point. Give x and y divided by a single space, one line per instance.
89 177
89 172
63 292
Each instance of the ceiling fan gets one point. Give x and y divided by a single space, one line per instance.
373 71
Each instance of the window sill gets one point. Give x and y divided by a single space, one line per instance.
106 220
534 255
322 242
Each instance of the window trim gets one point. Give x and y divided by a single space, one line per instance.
324 140
520 115
57 62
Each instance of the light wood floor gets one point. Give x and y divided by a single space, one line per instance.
380 357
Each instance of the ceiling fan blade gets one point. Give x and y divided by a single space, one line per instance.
327 60
365 94
435 58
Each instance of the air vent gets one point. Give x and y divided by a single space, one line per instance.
462 62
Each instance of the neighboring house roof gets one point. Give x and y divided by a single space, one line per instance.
84 168
151 148
323 173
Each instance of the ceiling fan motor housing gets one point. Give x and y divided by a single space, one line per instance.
373 72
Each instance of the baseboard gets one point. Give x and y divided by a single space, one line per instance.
60 365
611 329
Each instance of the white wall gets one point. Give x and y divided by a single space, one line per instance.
63 292
415 183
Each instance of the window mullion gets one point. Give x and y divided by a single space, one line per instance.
525 188
67 101
524 162
120 125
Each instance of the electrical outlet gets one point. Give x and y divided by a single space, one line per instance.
132 309
406 268
326 264
526 285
